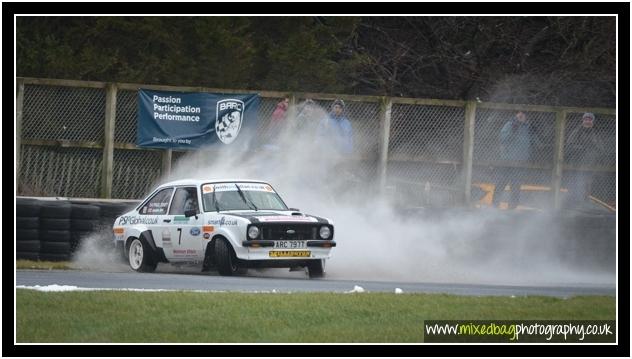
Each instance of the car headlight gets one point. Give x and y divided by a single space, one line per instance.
253 232
324 232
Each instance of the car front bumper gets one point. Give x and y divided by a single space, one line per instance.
263 250
265 243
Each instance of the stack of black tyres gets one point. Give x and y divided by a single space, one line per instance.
27 222
55 230
84 220
111 210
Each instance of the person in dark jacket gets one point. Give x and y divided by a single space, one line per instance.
584 147
516 141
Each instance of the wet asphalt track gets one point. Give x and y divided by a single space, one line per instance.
294 282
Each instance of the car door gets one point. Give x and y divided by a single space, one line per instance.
185 232
154 214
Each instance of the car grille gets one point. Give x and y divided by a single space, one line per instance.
279 232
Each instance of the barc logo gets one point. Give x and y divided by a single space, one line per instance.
228 119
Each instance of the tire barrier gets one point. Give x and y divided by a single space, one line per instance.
26 207
85 211
53 229
84 220
33 256
28 246
77 238
84 225
27 223
109 211
23 234
55 209
55 223
56 247
54 235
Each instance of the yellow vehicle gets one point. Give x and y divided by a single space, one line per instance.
410 194
532 197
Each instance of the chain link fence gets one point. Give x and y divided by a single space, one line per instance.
125 129
135 172
425 154
58 171
417 149
63 113
513 159
590 155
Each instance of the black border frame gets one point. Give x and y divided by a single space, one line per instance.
623 285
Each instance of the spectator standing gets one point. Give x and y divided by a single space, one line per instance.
277 121
584 148
337 128
280 111
306 120
516 142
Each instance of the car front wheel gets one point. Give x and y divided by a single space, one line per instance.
225 259
139 256
316 268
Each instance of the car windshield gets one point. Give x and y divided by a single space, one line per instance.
253 196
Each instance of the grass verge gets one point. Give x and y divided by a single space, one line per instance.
189 317
30 264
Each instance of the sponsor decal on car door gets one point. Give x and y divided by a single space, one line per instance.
186 238
185 232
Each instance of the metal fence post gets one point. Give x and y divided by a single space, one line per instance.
108 139
468 150
291 110
166 162
18 128
558 159
385 131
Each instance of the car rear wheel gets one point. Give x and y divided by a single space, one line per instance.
316 268
139 256
225 258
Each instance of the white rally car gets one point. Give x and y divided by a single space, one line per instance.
231 225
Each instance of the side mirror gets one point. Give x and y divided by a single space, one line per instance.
190 213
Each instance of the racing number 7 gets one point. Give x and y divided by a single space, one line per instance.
180 235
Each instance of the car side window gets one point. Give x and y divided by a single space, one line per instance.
158 204
185 199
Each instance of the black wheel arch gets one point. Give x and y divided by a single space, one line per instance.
209 251
157 253
211 244
210 247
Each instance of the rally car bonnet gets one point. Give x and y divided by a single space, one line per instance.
273 217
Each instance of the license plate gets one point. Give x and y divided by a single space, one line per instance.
290 253
290 244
